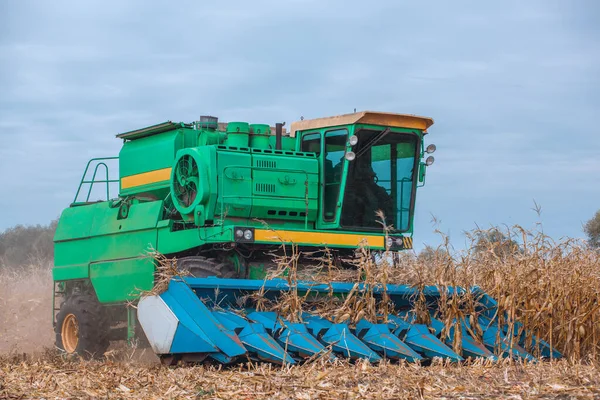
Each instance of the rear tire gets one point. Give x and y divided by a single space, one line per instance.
202 267
82 327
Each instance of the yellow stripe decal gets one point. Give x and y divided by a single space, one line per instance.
318 238
146 178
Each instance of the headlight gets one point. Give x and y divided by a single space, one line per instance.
429 160
430 149
350 156
353 140
398 243
243 235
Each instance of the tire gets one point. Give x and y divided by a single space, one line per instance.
202 267
82 327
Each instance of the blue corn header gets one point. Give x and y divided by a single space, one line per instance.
201 318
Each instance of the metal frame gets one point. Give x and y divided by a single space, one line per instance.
99 162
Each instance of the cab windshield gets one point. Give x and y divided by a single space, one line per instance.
380 178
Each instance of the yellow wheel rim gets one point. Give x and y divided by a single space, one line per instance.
70 333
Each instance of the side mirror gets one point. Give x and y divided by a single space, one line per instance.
422 170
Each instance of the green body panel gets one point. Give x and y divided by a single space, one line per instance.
71 272
150 154
287 143
284 190
235 185
209 155
244 181
80 248
121 280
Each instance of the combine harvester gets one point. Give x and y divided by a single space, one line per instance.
221 199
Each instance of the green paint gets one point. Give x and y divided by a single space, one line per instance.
121 280
219 180
77 271
257 271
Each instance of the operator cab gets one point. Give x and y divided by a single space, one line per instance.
370 162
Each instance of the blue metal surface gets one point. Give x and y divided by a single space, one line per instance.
184 303
470 346
538 346
495 340
293 337
423 341
380 339
346 344
258 341
228 334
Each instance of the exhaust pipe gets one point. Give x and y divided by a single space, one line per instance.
278 134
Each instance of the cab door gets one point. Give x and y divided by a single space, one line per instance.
331 144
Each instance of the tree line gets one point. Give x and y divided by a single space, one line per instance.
22 245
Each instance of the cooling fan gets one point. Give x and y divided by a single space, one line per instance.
189 185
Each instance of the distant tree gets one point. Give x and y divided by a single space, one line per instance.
592 230
21 245
431 254
497 242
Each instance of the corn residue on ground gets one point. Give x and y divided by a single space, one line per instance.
51 377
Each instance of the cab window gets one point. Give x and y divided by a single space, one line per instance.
311 142
335 149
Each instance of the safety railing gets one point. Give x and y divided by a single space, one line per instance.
98 163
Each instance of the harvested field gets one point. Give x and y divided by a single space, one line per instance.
52 377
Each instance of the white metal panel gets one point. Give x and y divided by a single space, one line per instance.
158 322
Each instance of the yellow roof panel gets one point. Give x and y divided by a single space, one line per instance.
365 117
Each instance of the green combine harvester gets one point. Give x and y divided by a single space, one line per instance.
223 200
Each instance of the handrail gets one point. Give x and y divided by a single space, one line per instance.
100 162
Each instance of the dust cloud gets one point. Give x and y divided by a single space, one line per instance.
26 309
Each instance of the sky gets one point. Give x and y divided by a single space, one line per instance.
513 87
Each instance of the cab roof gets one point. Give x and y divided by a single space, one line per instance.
364 117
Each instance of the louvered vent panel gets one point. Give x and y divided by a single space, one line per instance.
265 187
266 164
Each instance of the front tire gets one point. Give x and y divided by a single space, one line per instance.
82 327
202 267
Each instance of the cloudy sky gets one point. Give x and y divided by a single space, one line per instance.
514 88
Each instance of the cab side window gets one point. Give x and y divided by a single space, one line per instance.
335 149
311 142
